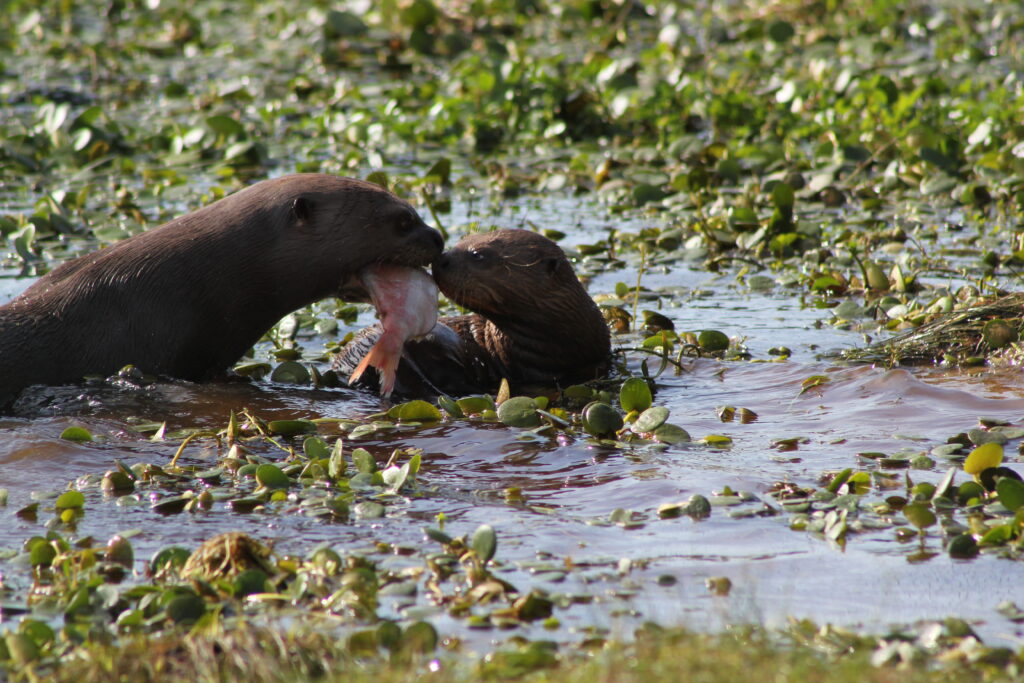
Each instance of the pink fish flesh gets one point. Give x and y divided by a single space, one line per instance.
406 303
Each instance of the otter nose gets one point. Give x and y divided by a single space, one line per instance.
442 262
436 239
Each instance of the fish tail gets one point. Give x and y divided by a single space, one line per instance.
385 359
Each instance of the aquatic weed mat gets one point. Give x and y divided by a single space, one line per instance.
860 164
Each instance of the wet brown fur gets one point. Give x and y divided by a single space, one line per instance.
533 322
188 298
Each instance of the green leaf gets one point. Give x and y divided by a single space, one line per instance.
225 125
272 477
484 543
77 434
1011 493
635 394
519 411
291 427
336 465
70 500
650 419
919 515
415 411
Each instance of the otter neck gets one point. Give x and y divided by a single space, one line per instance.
573 341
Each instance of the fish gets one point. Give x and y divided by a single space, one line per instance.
406 303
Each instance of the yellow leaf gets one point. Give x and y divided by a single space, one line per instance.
984 456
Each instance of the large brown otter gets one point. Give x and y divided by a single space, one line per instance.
188 298
533 322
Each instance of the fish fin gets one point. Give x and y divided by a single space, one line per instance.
385 360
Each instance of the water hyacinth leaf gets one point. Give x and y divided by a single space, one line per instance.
369 509
635 394
420 638
364 461
414 464
171 505
471 405
812 382
969 490
315 448
119 551
650 419
395 476
437 535
698 507
720 440
997 333
415 411
70 500
484 543
945 484
671 510
990 477
998 535
983 457
1011 493
249 582
963 547
76 434
290 372
186 608
671 434
21 649
519 411
600 419
272 477
42 554
712 340
920 515
336 464
167 559
449 406
291 427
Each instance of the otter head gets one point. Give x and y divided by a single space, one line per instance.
509 275
342 225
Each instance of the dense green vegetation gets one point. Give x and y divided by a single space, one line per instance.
867 153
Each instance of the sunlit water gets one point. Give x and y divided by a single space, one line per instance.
568 484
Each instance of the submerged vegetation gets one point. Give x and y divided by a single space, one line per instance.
865 157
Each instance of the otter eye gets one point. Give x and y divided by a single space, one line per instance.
404 223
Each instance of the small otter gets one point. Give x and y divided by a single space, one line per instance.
533 323
188 298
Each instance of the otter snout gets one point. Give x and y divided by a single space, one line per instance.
435 238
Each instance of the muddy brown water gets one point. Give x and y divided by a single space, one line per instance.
570 483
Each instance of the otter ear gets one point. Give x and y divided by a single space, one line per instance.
301 210
551 265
